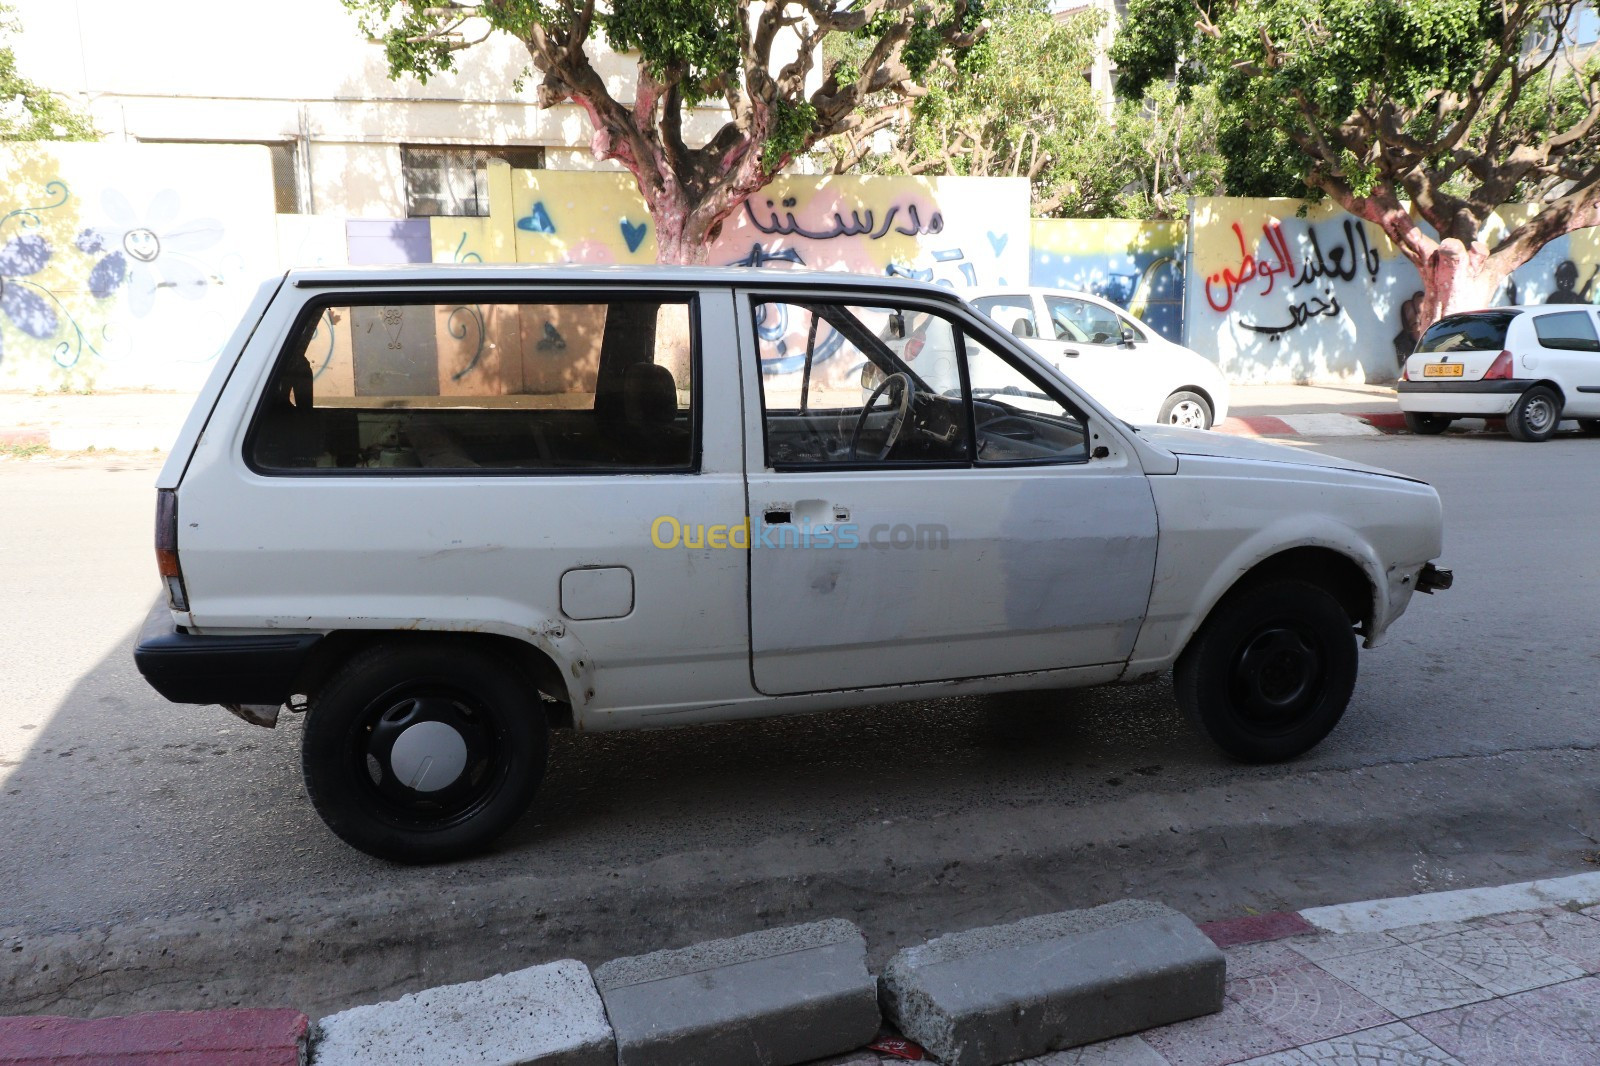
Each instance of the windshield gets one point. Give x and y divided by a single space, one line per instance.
1480 331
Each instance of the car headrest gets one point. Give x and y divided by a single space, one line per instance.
649 394
1023 327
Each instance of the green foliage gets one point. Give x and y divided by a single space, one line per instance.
791 125
1303 83
698 39
1018 103
28 111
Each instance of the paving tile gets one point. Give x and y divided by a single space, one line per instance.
1495 1033
1306 1004
1292 1057
1215 1039
1410 934
1124 1051
1255 928
1404 981
1571 1010
1332 945
1396 1044
1248 960
1499 960
1571 936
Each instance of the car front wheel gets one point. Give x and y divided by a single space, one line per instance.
423 753
1535 415
1270 672
1187 409
1427 424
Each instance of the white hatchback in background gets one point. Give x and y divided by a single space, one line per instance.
1137 373
1534 366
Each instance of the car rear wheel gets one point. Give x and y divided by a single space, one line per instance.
1535 415
1270 672
1427 424
423 753
1187 409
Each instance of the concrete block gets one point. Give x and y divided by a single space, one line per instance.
547 1014
1008 992
774 998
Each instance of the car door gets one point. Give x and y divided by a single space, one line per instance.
982 539
1571 358
1084 340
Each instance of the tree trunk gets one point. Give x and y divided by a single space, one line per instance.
1456 277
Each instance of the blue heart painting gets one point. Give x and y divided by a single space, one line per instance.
998 241
537 220
634 235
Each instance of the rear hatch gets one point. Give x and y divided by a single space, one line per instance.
1460 347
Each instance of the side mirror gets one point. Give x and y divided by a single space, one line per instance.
871 377
1129 337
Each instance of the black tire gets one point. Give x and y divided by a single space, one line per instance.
1270 672
1535 415
1427 424
355 737
1186 409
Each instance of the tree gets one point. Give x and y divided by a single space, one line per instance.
29 112
690 52
1020 107
1402 112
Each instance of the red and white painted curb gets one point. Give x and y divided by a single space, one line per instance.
168 1038
1314 425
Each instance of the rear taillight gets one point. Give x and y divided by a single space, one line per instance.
1500 368
167 549
1405 371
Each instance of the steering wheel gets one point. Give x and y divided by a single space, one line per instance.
907 393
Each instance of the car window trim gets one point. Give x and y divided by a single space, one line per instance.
509 293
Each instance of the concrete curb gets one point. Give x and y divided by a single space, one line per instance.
1008 992
168 1038
480 1022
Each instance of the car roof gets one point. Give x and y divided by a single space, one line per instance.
466 274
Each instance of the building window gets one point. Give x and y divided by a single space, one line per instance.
285 170
455 181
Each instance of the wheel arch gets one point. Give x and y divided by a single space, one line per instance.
534 663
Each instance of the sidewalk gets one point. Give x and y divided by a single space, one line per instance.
1480 977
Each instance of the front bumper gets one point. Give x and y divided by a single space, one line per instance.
193 668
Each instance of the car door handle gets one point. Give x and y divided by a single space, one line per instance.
1070 353
776 517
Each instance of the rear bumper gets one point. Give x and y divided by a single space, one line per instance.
1482 398
192 668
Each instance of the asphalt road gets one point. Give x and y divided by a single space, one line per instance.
154 855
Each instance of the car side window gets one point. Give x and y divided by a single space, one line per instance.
1016 418
1572 330
425 386
1014 313
852 384
1082 321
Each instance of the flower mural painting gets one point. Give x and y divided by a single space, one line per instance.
143 252
20 304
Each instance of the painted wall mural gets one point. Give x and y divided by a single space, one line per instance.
1136 265
958 232
127 266
1277 296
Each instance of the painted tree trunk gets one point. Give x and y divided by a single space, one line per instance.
679 240
1457 277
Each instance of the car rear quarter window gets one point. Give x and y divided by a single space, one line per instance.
1481 331
429 386
1573 330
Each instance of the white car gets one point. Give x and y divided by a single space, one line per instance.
1135 372
1532 365
444 509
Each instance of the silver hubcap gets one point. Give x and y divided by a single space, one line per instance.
428 756
1189 415
1538 415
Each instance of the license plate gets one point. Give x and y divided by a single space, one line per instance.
1442 370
